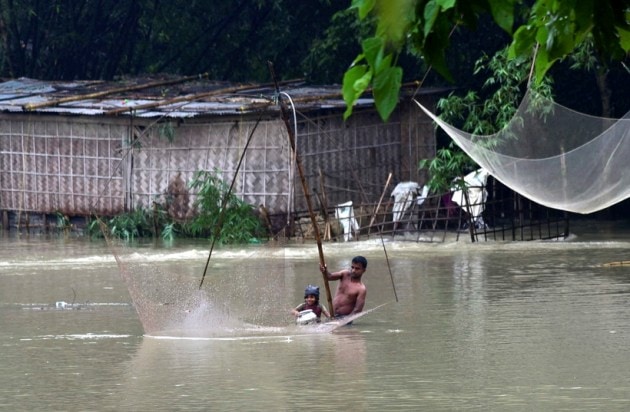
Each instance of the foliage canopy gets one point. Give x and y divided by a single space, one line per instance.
481 115
554 28
228 39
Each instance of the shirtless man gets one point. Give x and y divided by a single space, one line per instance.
351 292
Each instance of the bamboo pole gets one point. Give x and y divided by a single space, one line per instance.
33 106
323 205
298 162
380 232
378 206
193 97
617 263
226 197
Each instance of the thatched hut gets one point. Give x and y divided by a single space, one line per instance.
103 148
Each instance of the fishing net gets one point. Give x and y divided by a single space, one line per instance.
555 156
241 295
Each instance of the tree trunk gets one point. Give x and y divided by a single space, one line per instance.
604 91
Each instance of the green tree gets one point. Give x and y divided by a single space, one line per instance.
482 113
585 58
65 39
103 39
553 28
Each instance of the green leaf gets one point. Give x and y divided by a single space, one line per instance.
386 90
394 19
523 42
363 6
542 64
545 38
565 43
431 11
503 13
434 53
349 78
362 83
583 15
446 4
373 50
384 64
349 90
624 36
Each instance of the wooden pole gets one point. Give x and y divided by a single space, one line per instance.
380 232
33 106
471 223
265 216
298 162
378 206
322 210
191 97
323 205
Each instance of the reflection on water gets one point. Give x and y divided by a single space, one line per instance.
493 326
265 373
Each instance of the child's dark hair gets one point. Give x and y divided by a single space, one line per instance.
312 290
361 260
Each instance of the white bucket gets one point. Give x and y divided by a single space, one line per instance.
305 317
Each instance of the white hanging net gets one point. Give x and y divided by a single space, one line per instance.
555 156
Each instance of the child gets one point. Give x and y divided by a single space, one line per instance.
311 303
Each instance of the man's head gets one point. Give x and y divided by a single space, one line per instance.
359 264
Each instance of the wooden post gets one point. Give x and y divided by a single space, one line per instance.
378 206
264 214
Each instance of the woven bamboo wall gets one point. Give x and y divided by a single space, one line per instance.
65 165
84 165
355 157
162 169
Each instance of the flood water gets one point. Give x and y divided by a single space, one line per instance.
528 326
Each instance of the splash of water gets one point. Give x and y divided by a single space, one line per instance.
233 303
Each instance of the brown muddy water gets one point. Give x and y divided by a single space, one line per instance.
528 326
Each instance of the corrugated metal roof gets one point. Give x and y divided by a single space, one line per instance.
170 97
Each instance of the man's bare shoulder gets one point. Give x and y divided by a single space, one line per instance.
343 273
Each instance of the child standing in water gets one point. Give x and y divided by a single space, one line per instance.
311 302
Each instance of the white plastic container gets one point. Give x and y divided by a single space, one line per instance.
306 317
